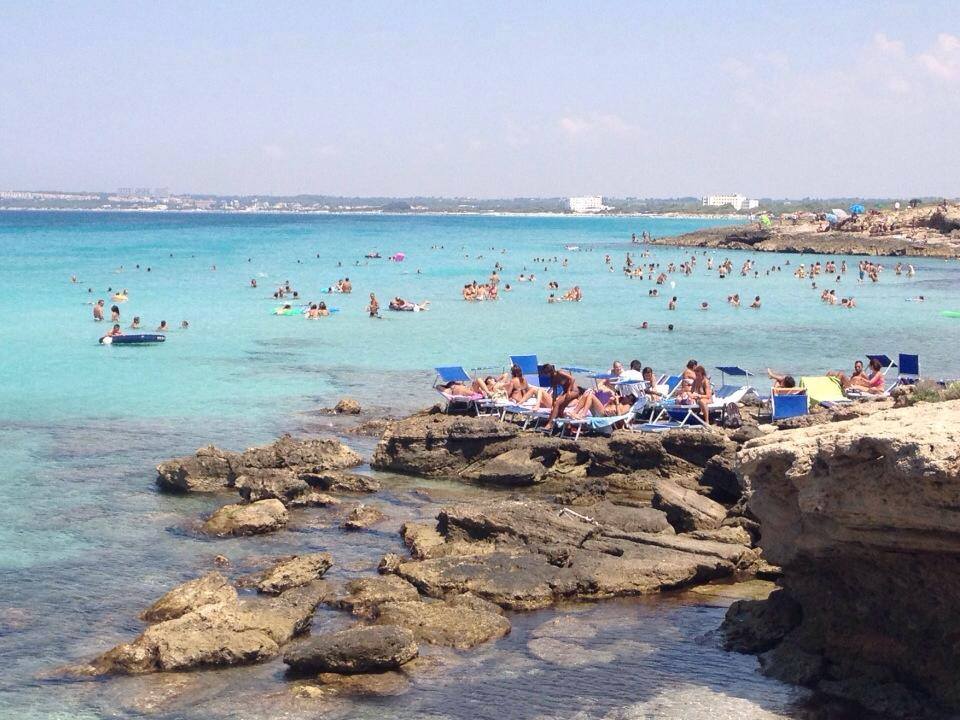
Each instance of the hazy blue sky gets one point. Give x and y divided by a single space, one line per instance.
483 99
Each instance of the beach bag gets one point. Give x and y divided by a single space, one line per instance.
731 416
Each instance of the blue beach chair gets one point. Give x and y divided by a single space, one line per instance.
531 370
790 405
909 369
885 363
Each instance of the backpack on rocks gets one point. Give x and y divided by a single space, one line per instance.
731 416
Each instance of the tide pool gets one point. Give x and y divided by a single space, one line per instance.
85 539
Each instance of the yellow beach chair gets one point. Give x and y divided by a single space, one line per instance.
822 388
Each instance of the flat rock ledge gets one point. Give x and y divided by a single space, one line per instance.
524 554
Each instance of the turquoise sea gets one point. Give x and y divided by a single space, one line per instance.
86 541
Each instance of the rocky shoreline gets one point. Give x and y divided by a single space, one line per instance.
555 521
809 241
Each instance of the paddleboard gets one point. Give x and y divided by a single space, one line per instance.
142 339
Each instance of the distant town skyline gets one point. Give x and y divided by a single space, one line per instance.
494 101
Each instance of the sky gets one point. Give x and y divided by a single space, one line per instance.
483 99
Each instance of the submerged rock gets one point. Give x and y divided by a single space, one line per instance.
357 650
254 518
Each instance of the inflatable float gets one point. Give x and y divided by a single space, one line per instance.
142 339
950 313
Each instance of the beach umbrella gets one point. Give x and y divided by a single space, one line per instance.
832 219
857 209
841 214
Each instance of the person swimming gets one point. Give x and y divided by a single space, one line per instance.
135 325
162 327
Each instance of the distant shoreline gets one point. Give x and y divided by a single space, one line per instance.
425 213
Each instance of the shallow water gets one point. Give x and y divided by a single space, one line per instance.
86 541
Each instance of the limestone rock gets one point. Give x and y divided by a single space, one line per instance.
210 469
862 517
347 406
687 510
363 595
296 571
725 534
362 517
210 589
755 626
512 468
231 632
454 624
356 650
255 518
317 454
301 489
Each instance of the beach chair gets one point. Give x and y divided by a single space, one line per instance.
455 373
674 417
531 370
733 371
909 369
885 363
823 389
601 424
788 405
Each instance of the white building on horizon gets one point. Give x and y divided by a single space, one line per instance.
738 201
586 204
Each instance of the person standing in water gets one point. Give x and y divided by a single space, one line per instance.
98 311
374 307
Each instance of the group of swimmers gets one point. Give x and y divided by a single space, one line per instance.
135 324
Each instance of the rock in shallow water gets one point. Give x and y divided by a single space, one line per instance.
224 633
362 517
461 622
357 650
363 595
296 571
210 469
210 589
247 519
